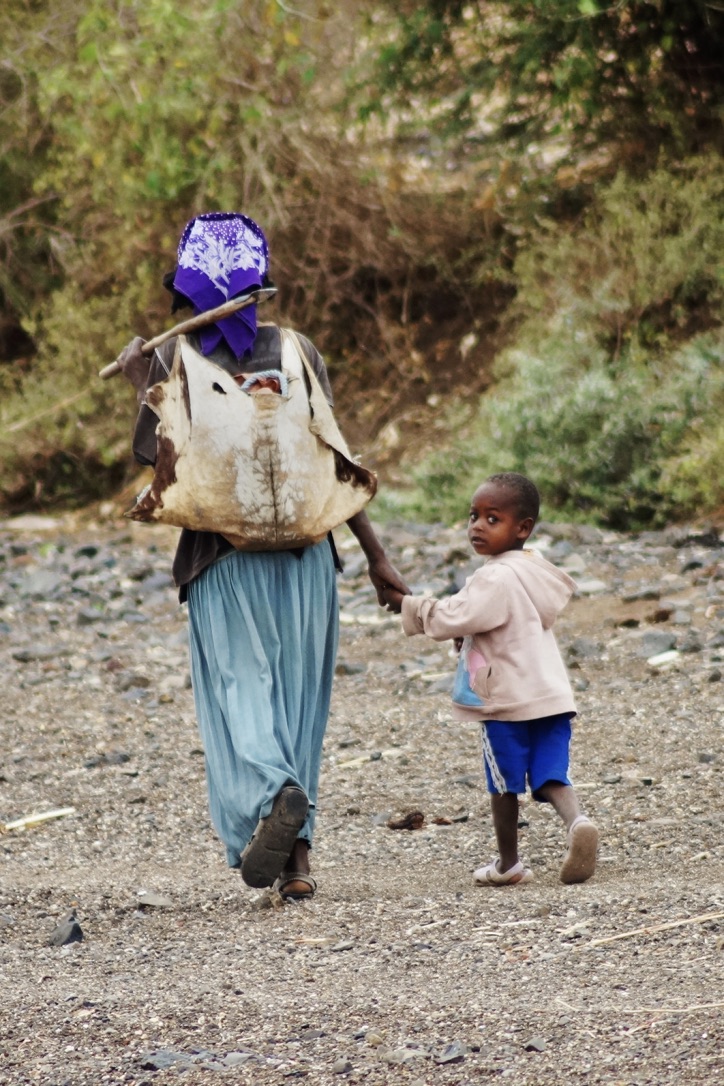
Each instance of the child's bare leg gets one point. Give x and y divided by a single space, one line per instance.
507 870
505 823
579 862
563 799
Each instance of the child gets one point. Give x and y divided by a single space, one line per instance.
518 687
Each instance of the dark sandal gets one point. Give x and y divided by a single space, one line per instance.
296 876
268 851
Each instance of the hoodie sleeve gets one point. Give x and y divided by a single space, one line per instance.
481 605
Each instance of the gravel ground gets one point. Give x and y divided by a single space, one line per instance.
401 970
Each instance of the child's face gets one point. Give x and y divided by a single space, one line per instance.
495 524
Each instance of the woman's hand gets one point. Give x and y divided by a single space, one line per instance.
382 574
134 365
386 579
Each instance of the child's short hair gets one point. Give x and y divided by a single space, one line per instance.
525 493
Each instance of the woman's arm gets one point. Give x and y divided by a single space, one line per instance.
381 572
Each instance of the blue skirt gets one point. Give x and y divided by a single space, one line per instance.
263 632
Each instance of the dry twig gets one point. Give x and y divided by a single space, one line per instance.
651 928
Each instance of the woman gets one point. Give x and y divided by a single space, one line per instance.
263 625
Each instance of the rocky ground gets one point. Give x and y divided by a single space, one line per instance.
401 970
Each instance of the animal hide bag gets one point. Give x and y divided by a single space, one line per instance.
266 470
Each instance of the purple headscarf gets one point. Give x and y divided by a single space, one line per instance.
221 255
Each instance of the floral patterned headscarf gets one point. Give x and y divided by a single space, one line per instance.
220 256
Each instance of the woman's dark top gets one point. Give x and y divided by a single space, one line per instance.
197 550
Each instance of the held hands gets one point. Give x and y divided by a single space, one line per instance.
393 598
387 581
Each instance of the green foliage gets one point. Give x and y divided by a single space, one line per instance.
603 398
647 72
641 269
121 121
625 450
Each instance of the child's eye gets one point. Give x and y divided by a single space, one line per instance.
492 519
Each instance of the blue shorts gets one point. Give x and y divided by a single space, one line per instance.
516 752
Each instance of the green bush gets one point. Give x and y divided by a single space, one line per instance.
610 396
626 449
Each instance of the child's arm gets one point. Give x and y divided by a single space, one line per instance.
481 605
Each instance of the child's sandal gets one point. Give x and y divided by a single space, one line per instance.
514 876
579 862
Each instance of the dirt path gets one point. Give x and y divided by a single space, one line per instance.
401 970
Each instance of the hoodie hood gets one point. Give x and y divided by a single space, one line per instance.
548 588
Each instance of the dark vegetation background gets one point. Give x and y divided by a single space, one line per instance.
501 222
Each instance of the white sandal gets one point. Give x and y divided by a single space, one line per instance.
514 876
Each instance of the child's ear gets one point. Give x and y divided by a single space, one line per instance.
525 528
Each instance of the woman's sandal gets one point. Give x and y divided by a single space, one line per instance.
266 854
288 877
514 876
579 862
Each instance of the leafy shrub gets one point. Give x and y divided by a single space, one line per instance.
605 397
624 449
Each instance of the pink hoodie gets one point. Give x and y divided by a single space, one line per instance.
509 606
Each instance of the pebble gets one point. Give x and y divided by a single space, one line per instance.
455 1052
67 931
535 1044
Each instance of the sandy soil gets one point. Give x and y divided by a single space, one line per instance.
401 970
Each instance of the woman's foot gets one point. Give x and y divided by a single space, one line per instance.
264 857
295 881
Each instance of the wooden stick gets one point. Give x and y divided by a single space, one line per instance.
657 927
192 323
670 1010
36 819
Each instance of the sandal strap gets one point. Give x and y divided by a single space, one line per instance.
295 876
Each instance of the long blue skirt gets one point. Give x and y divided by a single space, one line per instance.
263 632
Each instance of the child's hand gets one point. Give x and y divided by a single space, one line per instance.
393 599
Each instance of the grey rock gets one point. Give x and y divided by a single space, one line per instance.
41 584
654 642
584 648
67 931
535 1044
559 550
40 652
164 1058
646 592
691 642
236 1059
147 899
455 1052
345 668
88 616
402 1055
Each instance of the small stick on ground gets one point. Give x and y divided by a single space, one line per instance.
702 918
